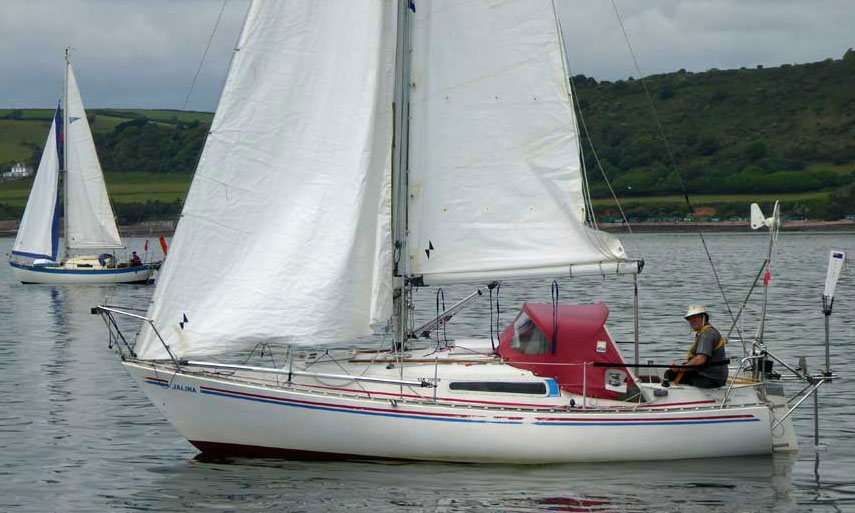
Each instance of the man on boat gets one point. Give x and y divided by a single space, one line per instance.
707 354
135 259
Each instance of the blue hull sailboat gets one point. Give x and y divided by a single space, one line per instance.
69 167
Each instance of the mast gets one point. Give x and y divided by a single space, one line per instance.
399 170
64 170
773 234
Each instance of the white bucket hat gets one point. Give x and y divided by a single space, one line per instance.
695 310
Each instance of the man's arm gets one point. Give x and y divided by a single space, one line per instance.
695 361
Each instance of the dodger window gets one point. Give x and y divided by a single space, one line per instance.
528 339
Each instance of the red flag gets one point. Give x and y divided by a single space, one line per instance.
766 278
146 245
163 244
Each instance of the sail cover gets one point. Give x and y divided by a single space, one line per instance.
494 170
89 219
285 234
38 234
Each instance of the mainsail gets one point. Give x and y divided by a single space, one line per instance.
89 219
285 232
38 233
494 168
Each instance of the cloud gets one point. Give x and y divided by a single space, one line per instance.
125 53
134 53
697 35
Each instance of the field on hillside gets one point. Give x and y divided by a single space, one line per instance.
23 132
122 188
15 135
171 188
168 116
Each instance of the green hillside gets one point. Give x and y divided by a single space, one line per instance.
148 157
784 130
155 136
736 136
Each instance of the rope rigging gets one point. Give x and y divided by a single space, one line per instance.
496 325
204 54
673 162
440 307
554 316
596 159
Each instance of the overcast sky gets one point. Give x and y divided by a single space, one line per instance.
145 53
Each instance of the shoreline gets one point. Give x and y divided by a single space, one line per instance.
725 226
154 229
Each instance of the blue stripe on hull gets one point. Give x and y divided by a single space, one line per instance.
416 416
650 423
89 272
283 402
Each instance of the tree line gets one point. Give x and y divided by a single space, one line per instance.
763 130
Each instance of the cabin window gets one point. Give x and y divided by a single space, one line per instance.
506 387
527 338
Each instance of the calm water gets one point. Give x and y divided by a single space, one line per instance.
76 435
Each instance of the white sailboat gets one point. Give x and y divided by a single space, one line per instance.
364 148
69 163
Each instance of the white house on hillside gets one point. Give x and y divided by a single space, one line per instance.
19 170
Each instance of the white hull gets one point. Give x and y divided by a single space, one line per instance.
244 416
61 275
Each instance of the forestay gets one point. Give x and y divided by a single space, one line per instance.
38 234
494 173
285 234
89 219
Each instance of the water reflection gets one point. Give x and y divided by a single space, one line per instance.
709 485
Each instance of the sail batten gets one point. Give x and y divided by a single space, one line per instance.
285 234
